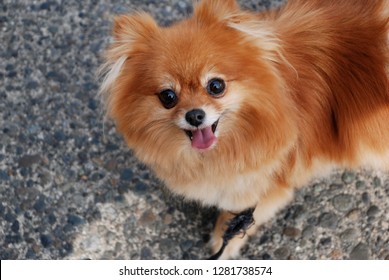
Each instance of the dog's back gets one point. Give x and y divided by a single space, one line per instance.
339 52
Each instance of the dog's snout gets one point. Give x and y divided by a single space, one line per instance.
195 117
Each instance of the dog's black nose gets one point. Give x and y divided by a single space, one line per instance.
195 117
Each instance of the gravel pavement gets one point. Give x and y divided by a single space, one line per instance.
71 189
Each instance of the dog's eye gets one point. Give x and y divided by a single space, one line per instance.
216 87
168 98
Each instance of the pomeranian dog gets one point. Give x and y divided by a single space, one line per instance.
237 109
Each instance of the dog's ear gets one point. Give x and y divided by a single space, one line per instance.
129 28
209 11
228 12
130 35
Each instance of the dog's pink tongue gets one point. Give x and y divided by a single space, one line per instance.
203 138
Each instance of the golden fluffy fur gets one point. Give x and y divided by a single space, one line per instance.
306 90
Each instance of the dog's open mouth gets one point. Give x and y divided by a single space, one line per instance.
204 138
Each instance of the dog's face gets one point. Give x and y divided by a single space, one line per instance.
204 87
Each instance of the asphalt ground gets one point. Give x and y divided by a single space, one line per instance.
71 189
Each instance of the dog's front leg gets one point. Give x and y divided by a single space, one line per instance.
266 208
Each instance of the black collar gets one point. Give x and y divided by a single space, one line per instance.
237 225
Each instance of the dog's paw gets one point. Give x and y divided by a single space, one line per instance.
232 250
